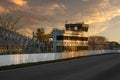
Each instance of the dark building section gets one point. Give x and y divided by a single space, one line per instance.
77 27
72 38
71 48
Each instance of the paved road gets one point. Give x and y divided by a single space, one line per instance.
104 67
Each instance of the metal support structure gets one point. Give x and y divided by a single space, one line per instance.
12 42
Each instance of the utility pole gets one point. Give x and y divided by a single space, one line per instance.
33 42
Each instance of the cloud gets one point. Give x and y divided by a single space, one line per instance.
19 2
85 0
98 12
50 14
13 5
49 9
1 9
101 12
97 29
26 31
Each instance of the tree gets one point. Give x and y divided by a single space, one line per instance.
113 45
41 36
97 42
10 21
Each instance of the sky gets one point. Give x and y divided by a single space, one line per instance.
103 16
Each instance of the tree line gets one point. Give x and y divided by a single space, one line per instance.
10 21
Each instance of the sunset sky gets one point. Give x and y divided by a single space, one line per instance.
102 15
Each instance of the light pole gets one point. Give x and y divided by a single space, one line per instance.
33 42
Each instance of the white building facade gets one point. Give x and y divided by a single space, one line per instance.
73 38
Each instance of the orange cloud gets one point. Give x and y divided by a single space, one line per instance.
49 9
100 13
97 13
1 9
97 30
19 2
26 31
99 16
53 14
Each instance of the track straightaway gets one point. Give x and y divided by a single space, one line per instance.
102 67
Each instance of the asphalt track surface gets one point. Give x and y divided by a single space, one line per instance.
102 67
